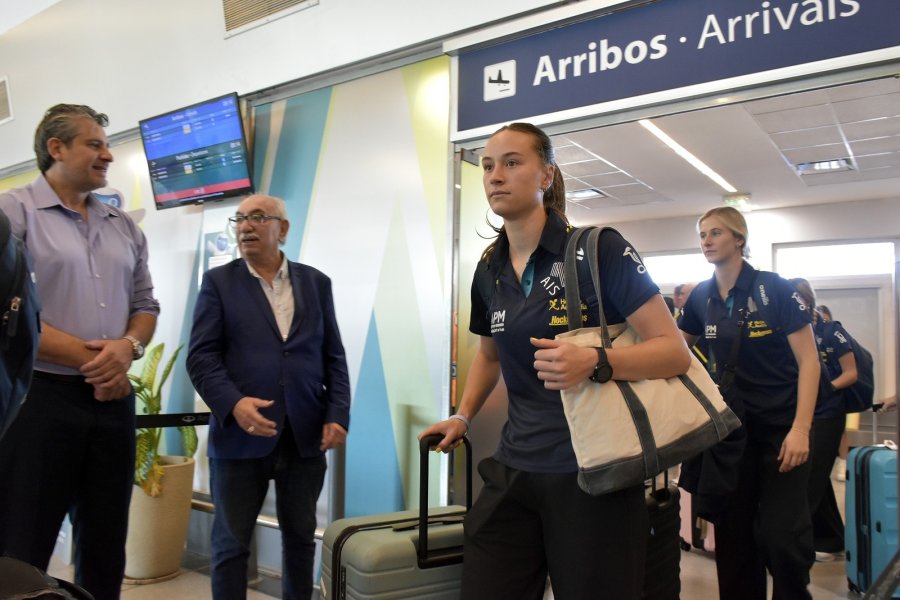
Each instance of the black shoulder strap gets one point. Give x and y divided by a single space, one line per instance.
730 367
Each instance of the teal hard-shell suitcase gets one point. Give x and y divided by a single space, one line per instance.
871 527
386 556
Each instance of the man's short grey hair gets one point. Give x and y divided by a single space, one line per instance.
280 208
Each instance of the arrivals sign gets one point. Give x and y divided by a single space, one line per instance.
665 50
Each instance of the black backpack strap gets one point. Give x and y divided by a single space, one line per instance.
5 229
14 268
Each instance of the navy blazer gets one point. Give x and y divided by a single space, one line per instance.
236 350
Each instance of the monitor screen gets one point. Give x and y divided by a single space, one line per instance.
197 153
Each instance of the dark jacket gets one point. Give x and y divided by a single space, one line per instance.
236 350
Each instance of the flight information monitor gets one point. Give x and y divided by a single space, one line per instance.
197 153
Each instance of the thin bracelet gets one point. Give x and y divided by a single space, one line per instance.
806 433
459 417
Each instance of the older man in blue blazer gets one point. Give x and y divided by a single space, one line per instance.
266 356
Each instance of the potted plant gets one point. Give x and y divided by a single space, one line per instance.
161 500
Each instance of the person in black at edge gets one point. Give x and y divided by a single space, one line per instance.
531 517
830 418
764 522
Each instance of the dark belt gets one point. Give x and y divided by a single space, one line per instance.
59 378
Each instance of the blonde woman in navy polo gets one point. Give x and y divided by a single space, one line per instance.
531 517
765 522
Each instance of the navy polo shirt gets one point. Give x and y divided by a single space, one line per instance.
766 371
536 436
833 343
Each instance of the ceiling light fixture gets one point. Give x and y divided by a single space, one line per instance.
585 194
824 166
686 155
740 201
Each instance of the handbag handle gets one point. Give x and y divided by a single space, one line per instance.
570 270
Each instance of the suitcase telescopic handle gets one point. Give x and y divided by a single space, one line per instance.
425 445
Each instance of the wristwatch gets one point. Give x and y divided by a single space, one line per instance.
603 371
137 348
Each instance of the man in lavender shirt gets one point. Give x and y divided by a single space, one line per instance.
71 449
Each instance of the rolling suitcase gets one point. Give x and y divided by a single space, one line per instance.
871 514
662 571
408 554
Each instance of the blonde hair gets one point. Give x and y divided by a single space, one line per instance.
733 220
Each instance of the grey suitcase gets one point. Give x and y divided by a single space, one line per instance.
386 557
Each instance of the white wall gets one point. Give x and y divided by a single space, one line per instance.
134 59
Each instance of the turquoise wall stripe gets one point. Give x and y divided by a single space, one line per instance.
297 160
373 471
181 394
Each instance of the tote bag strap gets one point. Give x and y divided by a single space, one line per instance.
573 311
570 270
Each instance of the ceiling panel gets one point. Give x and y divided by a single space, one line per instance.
796 118
808 137
877 145
817 153
588 167
610 179
878 161
873 107
628 190
890 173
567 153
872 128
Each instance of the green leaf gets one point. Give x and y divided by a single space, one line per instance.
151 363
189 439
147 470
145 455
168 369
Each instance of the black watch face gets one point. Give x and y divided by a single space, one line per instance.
602 373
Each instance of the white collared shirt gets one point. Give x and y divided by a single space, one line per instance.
280 295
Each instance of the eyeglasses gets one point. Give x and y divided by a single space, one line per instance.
256 218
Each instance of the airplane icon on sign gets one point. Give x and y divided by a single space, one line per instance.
498 79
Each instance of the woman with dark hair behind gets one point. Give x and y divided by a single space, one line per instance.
839 372
531 517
